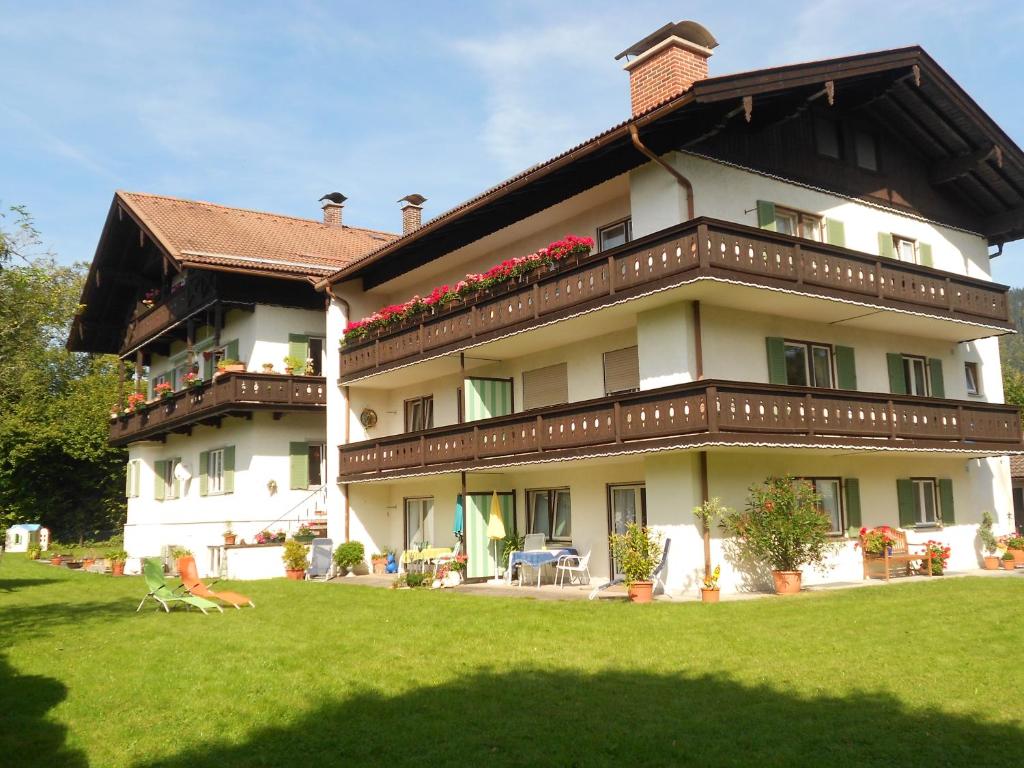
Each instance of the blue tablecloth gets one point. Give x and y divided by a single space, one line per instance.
538 557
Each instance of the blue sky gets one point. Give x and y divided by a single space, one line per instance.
270 105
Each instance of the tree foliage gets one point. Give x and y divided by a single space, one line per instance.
55 465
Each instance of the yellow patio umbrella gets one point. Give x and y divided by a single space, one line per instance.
496 532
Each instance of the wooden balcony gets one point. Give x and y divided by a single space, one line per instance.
700 414
198 292
227 394
952 306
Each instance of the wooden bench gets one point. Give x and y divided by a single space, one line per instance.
899 556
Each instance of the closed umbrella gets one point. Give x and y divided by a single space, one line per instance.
459 516
496 532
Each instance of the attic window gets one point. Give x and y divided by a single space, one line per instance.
866 150
826 138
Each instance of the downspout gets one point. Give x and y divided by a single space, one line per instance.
347 413
634 134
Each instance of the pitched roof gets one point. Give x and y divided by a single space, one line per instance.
195 232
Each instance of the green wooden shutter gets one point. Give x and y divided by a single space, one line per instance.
924 254
935 369
885 246
298 347
299 456
852 492
776 347
766 215
134 474
129 469
208 367
835 232
159 487
177 482
204 479
487 398
946 511
846 368
905 499
229 469
231 350
897 381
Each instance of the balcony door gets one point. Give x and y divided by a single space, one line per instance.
626 504
480 550
486 398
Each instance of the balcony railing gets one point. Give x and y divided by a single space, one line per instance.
228 392
198 291
706 412
702 248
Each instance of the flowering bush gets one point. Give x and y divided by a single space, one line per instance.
135 402
508 270
163 389
193 379
304 530
266 537
940 556
1011 541
875 540
457 564
711 582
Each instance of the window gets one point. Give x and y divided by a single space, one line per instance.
866 150
924 501
170 487
419 413
215 471
131 483
549 512
830 503
218 354
621 371
827 138
417 522
915 373
546 386
797 223
316 356
614 235
973 380
316 468
808 364
905 249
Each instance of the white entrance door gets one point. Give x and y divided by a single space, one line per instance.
626 504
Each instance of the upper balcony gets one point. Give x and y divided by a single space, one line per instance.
228 394
727 264
697 415
196 293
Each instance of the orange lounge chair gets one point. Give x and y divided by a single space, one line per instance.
190 581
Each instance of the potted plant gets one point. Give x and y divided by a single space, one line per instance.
709 586
708 512
268 367
940 555
988 542
33 552
1014 544
349 555
637 551
193 379
177 555
293 364
135 403
117 559
1008 561
379 560
229 535
228 365
783 527
304 534
164 390
294 557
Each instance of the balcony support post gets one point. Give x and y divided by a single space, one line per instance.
809 413
703 248
711 408
617 420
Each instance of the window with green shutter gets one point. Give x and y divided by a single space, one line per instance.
159 479
776 347
851 493
298 454
131 480
204 476
924 254
835 232
298 348
946 511
846 368
938 385
885 246
229 469
765 214
905 502
897 378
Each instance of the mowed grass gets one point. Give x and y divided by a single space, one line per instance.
323 675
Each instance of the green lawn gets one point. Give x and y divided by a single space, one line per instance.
321 675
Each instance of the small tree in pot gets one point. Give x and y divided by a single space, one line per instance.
294 557
637 552
783 526
988 541
349 555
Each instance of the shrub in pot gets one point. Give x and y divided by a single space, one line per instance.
349 555
117 558
379 561
637 551
1009 563
988 541
709 592
784 528
294 557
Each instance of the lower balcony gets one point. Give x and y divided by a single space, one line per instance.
702 414
227 394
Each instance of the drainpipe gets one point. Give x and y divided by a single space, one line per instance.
346 414
634 134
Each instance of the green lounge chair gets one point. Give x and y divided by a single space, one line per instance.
164 596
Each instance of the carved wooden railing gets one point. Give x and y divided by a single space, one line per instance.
699 248
198 291
723 411
227 392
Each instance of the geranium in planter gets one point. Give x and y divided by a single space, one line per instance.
783 527
637 551
940 556
193 379
164 390
876 541
135 403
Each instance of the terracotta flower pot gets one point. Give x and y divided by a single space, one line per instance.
379 566
295 575
787 582
117 568
992 563
1009 565
88 562
229 539
641 591
55 560
709 595
1018 556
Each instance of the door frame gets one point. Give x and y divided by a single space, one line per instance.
609 488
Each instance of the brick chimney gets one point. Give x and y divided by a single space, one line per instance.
666 63
412 212
332 203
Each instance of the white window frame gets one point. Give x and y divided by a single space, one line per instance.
909 363
808 347
322 464
215 472
425 404
320 363
809 226
625 224
925 488
423 507
972 377
169 487
134 478
838 481
552 495
910 255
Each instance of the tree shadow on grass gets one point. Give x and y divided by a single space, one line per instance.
15 585
618 718
40 618
27 738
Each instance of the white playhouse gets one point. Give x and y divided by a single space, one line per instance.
24 535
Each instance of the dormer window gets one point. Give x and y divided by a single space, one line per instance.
826 138
906 249
865 148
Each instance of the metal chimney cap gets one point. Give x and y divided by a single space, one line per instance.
335 197
413 199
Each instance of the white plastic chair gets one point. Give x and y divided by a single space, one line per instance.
575 566
534 541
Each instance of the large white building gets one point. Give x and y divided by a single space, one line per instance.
790 276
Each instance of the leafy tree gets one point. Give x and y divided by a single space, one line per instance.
21 238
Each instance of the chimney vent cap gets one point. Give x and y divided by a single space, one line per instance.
413 199
335 197
687 30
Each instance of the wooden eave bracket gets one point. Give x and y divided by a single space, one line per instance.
954 168
748 108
